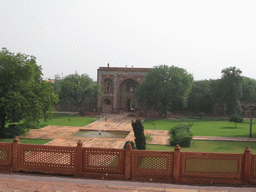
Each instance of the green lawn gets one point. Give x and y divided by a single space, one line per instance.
63 119
210 146
28 141
60 119
206 127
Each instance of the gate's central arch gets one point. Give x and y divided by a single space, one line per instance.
127 98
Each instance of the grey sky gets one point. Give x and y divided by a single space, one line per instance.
201 36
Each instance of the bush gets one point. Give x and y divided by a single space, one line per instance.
149 137
181 135
236 119
180 127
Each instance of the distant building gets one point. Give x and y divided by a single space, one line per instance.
50 80
118 85
57 77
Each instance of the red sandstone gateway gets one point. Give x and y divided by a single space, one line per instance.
118 85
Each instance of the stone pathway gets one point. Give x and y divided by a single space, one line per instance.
18 182
224 138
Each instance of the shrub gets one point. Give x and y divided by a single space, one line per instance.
179 127
236 119
140 139
181 135
149 137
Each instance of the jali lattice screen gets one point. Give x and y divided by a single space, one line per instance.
5 154
47 157
217 165
152 163
253 172
103 160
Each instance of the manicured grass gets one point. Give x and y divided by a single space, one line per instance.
209 146
206 127
28 141
62 119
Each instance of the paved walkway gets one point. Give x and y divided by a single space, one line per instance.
19 182
223 138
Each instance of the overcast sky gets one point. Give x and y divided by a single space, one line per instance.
201 36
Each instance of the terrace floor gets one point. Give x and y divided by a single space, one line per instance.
61 135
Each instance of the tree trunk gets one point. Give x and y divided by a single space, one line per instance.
2 119
250 134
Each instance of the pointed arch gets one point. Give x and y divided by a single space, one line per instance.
107 106
108 85
127 101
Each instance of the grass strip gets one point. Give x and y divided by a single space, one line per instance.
218 128
209 146
28 141
62 119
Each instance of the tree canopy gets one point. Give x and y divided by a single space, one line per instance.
206 95
200 97
231 89
79 89
164 89
249 90
24 98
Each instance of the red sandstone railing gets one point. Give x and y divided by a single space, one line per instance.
177 166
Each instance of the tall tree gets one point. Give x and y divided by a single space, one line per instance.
24 98
140 138
78 89
231 89
164 89
249 90
200 97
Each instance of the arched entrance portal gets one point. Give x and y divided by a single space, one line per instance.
127 98
130 105
107 106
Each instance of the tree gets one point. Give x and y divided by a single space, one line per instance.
164 89
231 89
57 85
249 90
24 98
200 97
140 138
236 119
215 94
78 89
